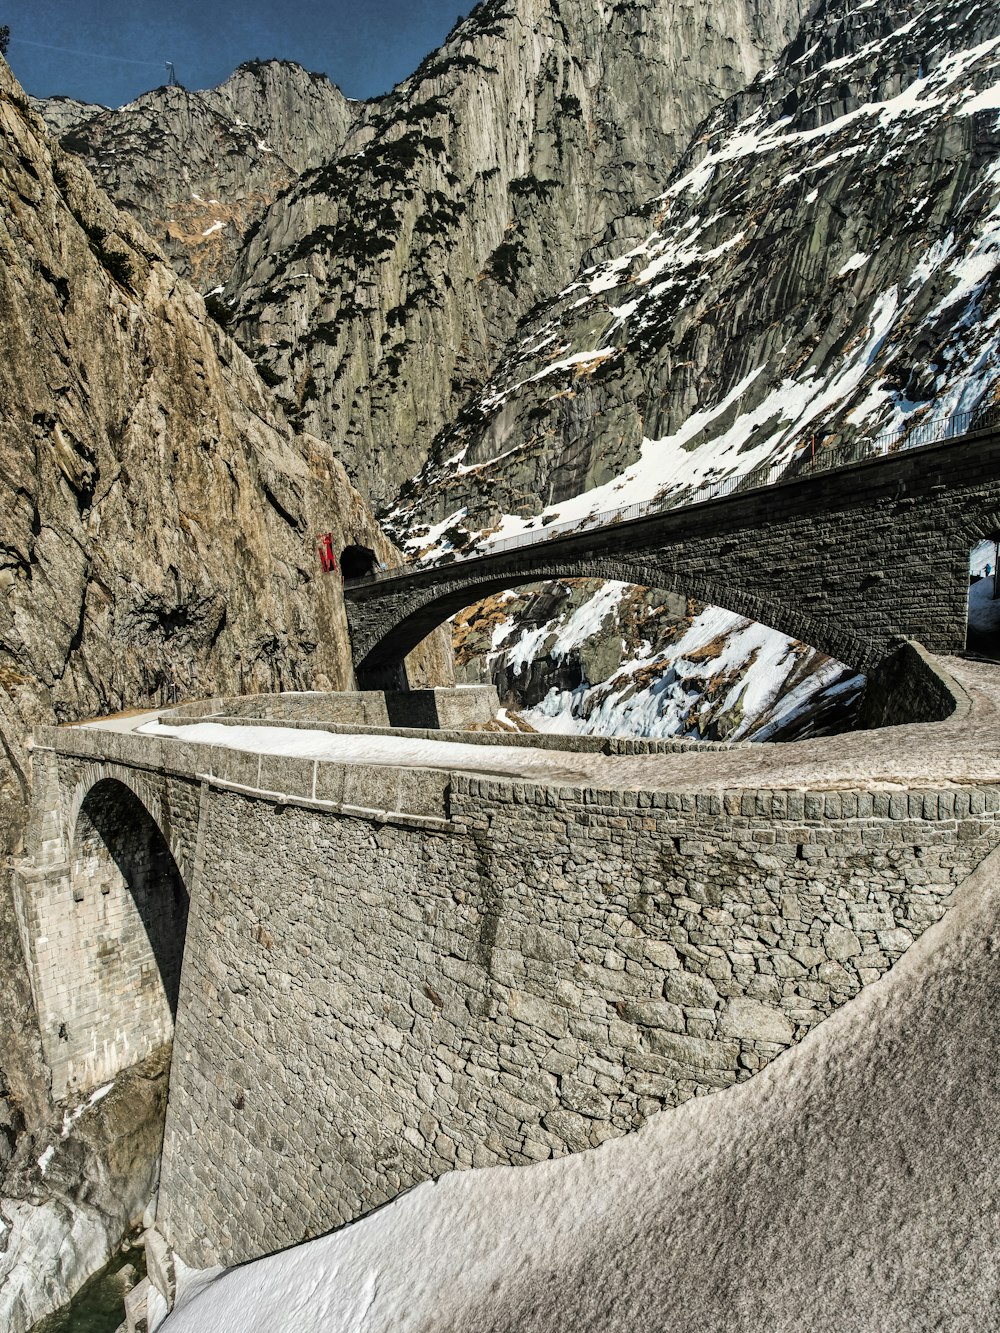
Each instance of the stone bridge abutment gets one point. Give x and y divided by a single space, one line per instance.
102 907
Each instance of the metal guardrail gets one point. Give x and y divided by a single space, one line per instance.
813 457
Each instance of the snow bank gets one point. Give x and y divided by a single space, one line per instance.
984 608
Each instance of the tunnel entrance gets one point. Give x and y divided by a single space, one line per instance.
122 938
357 561
983 632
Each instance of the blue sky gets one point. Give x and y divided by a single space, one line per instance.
110 50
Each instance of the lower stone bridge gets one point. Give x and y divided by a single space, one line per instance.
378 970
845 560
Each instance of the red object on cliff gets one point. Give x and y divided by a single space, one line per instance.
326 557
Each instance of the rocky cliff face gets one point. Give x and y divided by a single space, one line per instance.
76 1185
65 113
158 514
822 265
199 169
381 289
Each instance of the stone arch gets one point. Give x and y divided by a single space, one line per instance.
414 613
146 792
113 967
979 527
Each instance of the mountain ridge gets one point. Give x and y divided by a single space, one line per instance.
198 169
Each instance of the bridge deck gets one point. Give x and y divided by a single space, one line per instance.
964 749
848 560
773 484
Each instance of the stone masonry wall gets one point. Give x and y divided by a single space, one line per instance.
911 686
433 709
366 1004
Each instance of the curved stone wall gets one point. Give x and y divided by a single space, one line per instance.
367 1004
393 972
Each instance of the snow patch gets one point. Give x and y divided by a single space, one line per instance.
71 1117
853 264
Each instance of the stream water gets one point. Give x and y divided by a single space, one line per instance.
99 1305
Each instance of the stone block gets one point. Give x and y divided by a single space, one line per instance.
832 974
695 1054
841 943
584 1099
136 1307
808 955
652 1014
535 1012
690 990
754 1021
572 1129
160 1264
894 941
423 791
546 945
286 774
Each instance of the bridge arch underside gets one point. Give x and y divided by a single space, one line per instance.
410 618
110 971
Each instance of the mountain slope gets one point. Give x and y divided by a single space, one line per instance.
199 169
611 659
65 113
381 288
822 264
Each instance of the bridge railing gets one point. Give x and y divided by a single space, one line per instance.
814 455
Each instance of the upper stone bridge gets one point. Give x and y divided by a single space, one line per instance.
846 560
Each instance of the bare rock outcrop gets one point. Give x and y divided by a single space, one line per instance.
199 169
381 289
79 1182
65 113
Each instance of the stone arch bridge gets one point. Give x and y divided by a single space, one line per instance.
393 968
846 560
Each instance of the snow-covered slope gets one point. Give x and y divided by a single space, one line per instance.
614 660
849 1187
